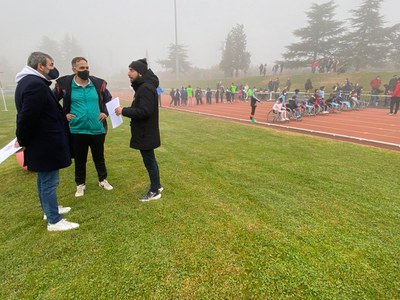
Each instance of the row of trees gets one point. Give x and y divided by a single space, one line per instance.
235 57
62 51
367 43
361 42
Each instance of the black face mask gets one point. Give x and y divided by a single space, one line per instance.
84 75
53 73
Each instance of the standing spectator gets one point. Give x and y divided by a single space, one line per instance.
387 95
240 93
244 92
183 96
288 84
347 87
217 96
270 86
314 66
233 91
84 100
189 92
276 85
144 122
375 90
308 86
198 94
392 84
249 93
297 104
160 90
221 92
335 64
395 100
42 131
172 95
228 95
261 68
275 69
208 96
329 65
177 98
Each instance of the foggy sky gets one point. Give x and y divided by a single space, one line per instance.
115 32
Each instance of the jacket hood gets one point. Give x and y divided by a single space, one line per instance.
149 77
28 71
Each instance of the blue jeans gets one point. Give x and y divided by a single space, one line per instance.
149 160
47 183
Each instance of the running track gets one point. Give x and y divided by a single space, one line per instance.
370 126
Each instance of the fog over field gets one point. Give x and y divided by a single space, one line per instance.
113 33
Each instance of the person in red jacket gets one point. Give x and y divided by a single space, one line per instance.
375 85
395 100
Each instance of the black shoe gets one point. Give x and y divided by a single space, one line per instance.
150 196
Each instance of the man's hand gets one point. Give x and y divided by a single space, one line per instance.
102 117
70 116
16 145
118 110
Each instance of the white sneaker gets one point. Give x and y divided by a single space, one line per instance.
80 190
61 210
105 185
62 225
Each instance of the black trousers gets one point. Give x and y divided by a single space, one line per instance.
394 103
150 162
80 146
253 110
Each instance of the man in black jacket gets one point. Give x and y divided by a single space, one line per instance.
42 131
144 122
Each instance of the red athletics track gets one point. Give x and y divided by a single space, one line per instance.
370 126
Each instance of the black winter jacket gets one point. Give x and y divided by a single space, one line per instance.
145 132
41 126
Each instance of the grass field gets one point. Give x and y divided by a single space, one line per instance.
247 213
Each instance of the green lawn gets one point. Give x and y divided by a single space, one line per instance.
247 213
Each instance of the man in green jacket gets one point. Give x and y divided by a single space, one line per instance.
84 99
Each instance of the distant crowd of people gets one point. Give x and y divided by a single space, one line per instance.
327 65
346 93
276 68
186 96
